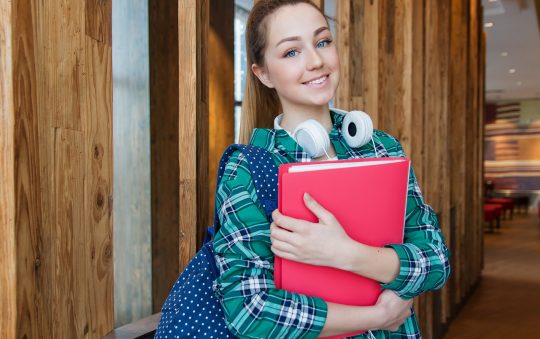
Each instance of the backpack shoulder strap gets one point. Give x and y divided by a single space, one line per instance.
264 173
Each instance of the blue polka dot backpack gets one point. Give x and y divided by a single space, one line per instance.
191 309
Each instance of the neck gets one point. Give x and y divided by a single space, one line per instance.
293 116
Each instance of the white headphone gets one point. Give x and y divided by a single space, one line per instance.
357 130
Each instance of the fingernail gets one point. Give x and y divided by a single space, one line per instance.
307 196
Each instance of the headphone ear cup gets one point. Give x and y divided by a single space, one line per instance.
357 128
312 137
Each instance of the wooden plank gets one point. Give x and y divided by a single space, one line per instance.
32 222
458 116
8 274
164 78
436 116
473 126
370 64
221 89
98 185
343 27
68 245
416 151
98 18
193 125
55 293
64 28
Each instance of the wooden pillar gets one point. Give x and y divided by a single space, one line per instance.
56 137
164 129
471 239
458 146
193 25
221 91
436 188
8 281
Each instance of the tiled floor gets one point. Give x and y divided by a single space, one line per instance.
507 301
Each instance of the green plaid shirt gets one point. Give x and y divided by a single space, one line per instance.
252 305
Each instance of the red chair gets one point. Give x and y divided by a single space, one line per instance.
506 203
492 212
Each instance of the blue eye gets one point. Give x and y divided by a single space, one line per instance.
323 43
291 53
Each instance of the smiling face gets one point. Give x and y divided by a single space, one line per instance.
300 59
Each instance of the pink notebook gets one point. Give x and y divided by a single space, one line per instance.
367 196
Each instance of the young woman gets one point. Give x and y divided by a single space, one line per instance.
295 73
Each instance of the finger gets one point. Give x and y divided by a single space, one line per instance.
324 215
278 233
288 223
282 253
275 214
283 246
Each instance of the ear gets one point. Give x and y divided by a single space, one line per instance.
262 74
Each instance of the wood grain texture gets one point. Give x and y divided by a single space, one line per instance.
221 89
343 31
164 78
458 149
98 154
8 281
193 125
436 96
98 16
59 292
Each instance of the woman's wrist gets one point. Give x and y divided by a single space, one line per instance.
352 257
378 263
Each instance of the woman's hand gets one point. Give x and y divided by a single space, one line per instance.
324 243
394 310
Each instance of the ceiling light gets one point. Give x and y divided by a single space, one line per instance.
504 54
512 70
488 24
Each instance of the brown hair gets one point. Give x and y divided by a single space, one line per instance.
261 104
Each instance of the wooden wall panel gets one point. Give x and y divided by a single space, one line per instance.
458 149
343 38
472 128
98 161
437 186
193 125
164 79
221 89
63 253
8 281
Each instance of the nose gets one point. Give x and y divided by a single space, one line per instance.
314 60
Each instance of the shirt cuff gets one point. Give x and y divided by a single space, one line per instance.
401 283
320 318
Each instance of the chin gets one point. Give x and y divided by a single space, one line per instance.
322 99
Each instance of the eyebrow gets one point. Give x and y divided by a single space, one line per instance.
295 38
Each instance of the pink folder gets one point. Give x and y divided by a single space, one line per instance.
368 197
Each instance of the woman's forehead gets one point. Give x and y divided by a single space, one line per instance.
295 20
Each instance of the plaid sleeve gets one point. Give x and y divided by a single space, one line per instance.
423 256
253 307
